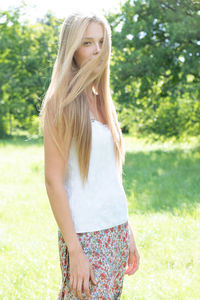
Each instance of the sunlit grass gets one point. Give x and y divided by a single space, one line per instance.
162 186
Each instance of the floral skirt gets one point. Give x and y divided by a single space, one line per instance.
107 251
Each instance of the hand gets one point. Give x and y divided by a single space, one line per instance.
134 258
80 273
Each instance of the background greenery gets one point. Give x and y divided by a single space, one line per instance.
155 67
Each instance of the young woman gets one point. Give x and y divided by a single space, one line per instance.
84 154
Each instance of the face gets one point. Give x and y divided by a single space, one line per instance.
91 44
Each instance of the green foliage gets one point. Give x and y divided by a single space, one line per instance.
27 55
32 124
155 67
155 64
3 127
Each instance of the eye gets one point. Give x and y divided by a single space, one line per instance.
101 41
87 43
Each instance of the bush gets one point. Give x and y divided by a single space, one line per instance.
3 127
32 125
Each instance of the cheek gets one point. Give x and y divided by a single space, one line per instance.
85 53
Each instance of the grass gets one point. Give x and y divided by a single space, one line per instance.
161 181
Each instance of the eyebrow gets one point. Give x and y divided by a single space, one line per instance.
90 38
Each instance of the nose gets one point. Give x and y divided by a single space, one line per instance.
97 48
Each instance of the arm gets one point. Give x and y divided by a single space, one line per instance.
61 210
131 233
134 257
55 168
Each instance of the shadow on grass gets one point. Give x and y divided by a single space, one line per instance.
162 181
156 180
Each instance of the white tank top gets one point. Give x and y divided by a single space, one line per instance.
101 203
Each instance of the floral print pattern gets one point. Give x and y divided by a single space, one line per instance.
107 251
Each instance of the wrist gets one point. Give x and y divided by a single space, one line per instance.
74 248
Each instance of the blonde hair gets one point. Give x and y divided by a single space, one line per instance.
65 110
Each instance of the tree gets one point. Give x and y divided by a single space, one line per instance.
155 64
27 54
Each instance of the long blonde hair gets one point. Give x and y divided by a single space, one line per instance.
65 110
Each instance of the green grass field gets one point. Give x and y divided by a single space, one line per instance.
162 184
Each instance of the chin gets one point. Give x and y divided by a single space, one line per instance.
97 70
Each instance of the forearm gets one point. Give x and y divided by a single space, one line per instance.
131 232
60 206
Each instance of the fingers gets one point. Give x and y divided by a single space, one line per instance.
73 286
80 286
133 262
92 277
132 270
71 282
86 287
79 289
131 257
